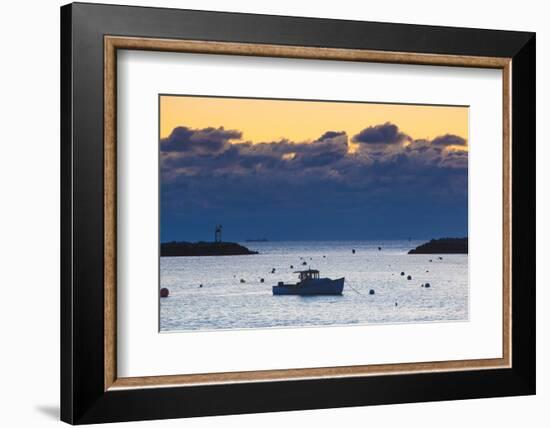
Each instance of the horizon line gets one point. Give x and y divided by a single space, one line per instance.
319 240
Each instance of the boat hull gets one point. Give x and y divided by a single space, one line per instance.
321 287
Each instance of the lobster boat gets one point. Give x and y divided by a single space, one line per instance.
310 284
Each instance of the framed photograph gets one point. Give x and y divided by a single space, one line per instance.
266 213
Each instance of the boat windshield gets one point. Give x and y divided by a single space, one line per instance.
309 274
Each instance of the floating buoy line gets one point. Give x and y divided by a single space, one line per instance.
351 286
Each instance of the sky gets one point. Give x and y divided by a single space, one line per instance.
311 170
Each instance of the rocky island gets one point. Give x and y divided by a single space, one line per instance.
187 249
443 246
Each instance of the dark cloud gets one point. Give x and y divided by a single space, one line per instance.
217 151
449 140
328 149
207 140
212 175
331 134
388 133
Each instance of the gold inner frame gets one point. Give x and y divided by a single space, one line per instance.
113 43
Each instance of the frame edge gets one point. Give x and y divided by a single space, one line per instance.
81 401
66 273
524 215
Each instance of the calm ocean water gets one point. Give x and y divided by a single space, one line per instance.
223 302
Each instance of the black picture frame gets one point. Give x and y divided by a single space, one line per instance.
83 398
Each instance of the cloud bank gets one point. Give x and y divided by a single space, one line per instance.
356 185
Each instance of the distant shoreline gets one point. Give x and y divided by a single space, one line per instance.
443 246
190 249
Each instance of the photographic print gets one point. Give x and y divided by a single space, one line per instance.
301 213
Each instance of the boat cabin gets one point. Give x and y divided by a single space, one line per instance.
310 285
308 274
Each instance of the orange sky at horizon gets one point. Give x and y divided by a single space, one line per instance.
266 120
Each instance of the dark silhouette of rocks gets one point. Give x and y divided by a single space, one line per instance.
443 246
186 249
